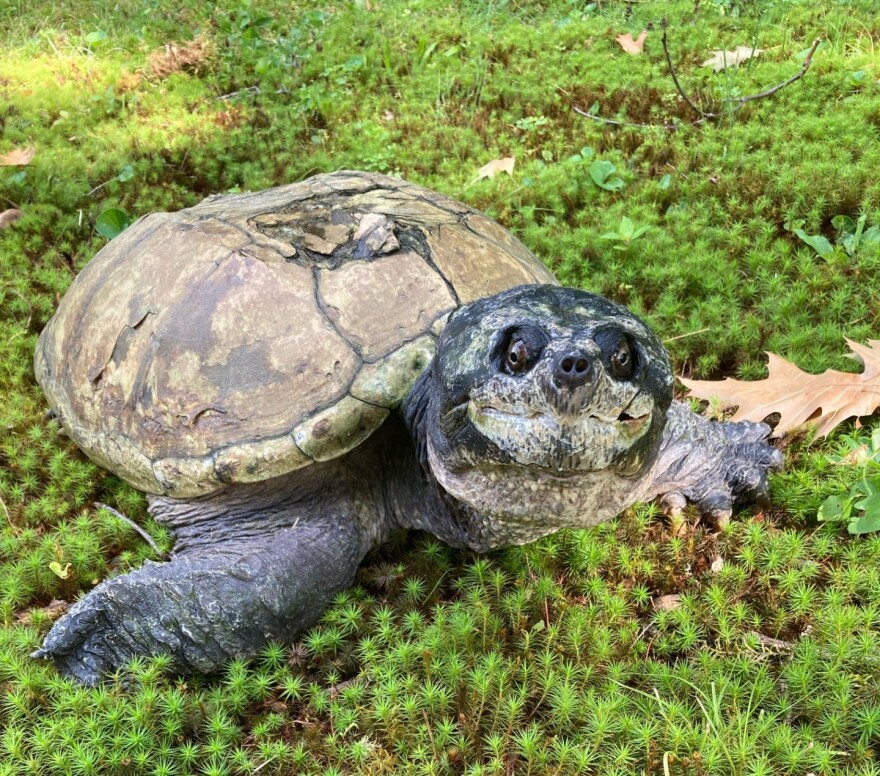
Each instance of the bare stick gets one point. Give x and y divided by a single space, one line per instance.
773 89
737 101
665 41
616 123
144 535
767 641
254 89
251 90
688 334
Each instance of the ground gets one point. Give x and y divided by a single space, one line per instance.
637 647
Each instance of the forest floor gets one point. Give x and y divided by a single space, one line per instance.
634 647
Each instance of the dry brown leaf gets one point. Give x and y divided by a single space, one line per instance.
721 60
18 158
799 397
495 166
631 46
666 603
188 57
9 217
53 611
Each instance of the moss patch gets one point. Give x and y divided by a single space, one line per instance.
552 658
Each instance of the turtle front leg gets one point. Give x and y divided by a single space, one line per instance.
214 601
713 464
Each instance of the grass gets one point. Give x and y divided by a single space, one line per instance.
551 658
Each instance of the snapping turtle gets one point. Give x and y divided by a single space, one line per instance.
277 372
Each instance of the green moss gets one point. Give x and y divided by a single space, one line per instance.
551 658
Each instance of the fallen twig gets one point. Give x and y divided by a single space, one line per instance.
252 90
778 644
808 60
736 102
616 123
687 334
144 535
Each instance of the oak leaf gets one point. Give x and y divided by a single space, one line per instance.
492 169
631 46
824 400
721 60
19 157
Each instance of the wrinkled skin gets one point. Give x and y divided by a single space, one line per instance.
544 408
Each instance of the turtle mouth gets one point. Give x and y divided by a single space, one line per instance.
633 424
540 439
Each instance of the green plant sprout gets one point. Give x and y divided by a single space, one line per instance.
112 222
852 235
860 507
626 234
604 174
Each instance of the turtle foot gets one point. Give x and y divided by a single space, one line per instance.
107 628
713 465
204 607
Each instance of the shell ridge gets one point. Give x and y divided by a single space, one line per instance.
497 245
249 235
376 359
428 257
331 318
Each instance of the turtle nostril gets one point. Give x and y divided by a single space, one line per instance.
572 369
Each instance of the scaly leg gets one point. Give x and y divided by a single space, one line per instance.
713 464
213 601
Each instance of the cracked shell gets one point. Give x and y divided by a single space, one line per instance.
253 334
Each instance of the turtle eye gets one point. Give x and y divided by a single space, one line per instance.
622 361
619 354
520 348
517 356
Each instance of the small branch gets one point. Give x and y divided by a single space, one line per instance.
253 90
616 123
738 102
131 523
665 41
773 89
767 641
688 334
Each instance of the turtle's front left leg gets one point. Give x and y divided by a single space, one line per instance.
713 464
214 601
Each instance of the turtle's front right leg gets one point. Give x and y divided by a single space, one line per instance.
212 602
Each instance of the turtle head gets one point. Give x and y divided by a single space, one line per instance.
541 389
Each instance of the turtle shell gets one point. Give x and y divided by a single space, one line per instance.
253 334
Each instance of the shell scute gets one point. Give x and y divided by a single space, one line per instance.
381 303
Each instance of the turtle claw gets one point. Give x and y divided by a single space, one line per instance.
87 643
740 475
713 465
